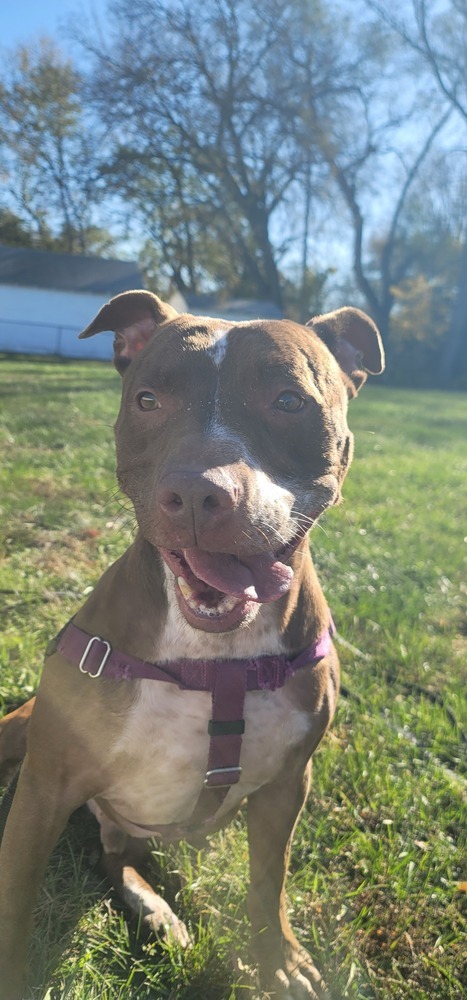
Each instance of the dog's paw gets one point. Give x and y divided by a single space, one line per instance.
296 986
298 980
153 913
163 923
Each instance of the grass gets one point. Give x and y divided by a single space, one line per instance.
376 882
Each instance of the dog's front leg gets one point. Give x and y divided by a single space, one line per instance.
38 814
285 968
148 906
124 859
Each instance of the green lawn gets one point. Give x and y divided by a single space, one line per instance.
376 886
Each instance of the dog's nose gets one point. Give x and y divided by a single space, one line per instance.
197 498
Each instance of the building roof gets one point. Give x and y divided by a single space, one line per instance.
67 272
235 310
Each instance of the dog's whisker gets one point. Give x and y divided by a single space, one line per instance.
115 496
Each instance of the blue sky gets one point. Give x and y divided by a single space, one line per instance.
23 21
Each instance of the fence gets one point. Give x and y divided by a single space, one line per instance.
26 337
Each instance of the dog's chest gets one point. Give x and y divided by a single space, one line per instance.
164 751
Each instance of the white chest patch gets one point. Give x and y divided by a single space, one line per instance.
161 755
163 752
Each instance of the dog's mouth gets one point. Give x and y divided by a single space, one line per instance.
217 591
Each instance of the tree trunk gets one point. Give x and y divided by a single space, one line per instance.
258 220
457 332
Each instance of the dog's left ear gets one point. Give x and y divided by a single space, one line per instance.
134 317
355 342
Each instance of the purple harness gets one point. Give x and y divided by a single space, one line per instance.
227 680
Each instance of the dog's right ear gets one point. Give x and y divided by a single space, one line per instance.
355 342
134 317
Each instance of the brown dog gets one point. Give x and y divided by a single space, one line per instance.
200 672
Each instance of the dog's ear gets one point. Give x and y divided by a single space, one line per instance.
134 317
355 342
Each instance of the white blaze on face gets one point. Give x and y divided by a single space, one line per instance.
275 503
216 352
219 346
271 501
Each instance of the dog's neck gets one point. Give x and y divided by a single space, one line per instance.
135 608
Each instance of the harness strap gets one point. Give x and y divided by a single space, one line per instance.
96 657
225 728
227 680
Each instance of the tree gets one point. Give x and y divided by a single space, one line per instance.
49 151
173 207
429 242
436 33
204 102
377 274
229 138
13 232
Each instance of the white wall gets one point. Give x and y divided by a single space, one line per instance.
39 321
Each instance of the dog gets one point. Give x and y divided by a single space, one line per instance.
200 673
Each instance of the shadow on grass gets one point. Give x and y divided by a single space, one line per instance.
52 387
50 359
68 375
127 954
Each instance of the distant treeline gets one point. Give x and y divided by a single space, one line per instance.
307 152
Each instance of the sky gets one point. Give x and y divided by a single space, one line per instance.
23 21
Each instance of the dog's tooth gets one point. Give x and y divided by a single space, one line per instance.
227 604
184 587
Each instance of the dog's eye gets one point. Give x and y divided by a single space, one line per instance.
289 402
147 401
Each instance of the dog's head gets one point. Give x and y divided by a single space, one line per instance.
232 439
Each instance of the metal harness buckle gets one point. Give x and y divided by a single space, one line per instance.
222 770
97 673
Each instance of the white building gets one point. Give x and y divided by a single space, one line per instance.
47 298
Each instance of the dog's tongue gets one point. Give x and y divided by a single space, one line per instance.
259 577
